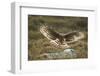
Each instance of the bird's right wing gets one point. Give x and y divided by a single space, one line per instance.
49 33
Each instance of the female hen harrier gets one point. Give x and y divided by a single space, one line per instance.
58 39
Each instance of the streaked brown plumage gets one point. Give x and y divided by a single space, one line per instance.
58 39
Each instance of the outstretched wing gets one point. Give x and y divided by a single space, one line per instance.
49 33
73 36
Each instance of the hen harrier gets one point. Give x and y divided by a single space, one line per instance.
58 39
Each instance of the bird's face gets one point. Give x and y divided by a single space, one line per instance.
64 44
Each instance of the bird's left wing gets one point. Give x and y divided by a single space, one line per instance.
73 36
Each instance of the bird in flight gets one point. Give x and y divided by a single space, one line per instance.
59 39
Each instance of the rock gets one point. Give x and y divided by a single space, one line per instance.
71 53
66 54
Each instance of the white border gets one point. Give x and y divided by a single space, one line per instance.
19 38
